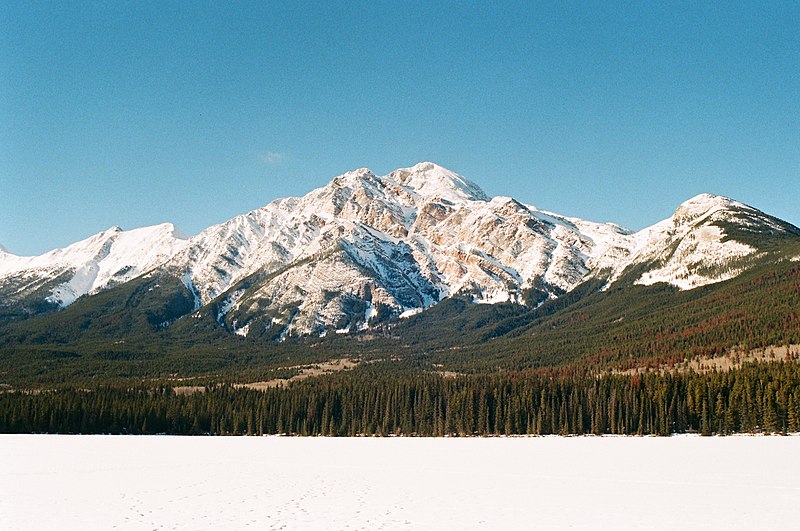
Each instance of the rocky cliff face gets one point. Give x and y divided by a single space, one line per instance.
365 248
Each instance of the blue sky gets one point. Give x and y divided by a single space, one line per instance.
132 114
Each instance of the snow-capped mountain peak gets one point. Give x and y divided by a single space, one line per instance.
352 178
692 247
107 258
363 248
704 205
431 180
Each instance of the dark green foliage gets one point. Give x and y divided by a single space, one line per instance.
459 321
761 231
634 326
105 365
140 307
755 398
14 307
618 328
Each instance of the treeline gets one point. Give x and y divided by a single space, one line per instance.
757 398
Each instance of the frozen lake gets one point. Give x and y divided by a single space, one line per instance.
105 482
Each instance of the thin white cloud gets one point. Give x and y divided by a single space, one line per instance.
273 158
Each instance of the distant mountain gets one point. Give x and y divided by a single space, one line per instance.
365 249
708 239
104 260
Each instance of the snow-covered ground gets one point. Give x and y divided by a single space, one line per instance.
106 482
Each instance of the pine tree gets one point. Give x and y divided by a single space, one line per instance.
719 416
792 415
705 425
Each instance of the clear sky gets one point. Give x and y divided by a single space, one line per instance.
136 113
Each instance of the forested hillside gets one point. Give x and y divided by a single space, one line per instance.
757 398
458 368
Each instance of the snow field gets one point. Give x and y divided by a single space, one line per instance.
116 482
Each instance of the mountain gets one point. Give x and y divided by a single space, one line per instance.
365 249
708 239
58 278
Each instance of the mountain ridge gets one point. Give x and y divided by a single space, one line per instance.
366 248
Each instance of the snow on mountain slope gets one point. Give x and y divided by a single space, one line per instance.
427 179
6 259
691 248
343 287
291 229
364 247
105 259
495 249
397 242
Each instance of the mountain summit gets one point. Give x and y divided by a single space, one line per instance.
108 258
431 180
365 248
